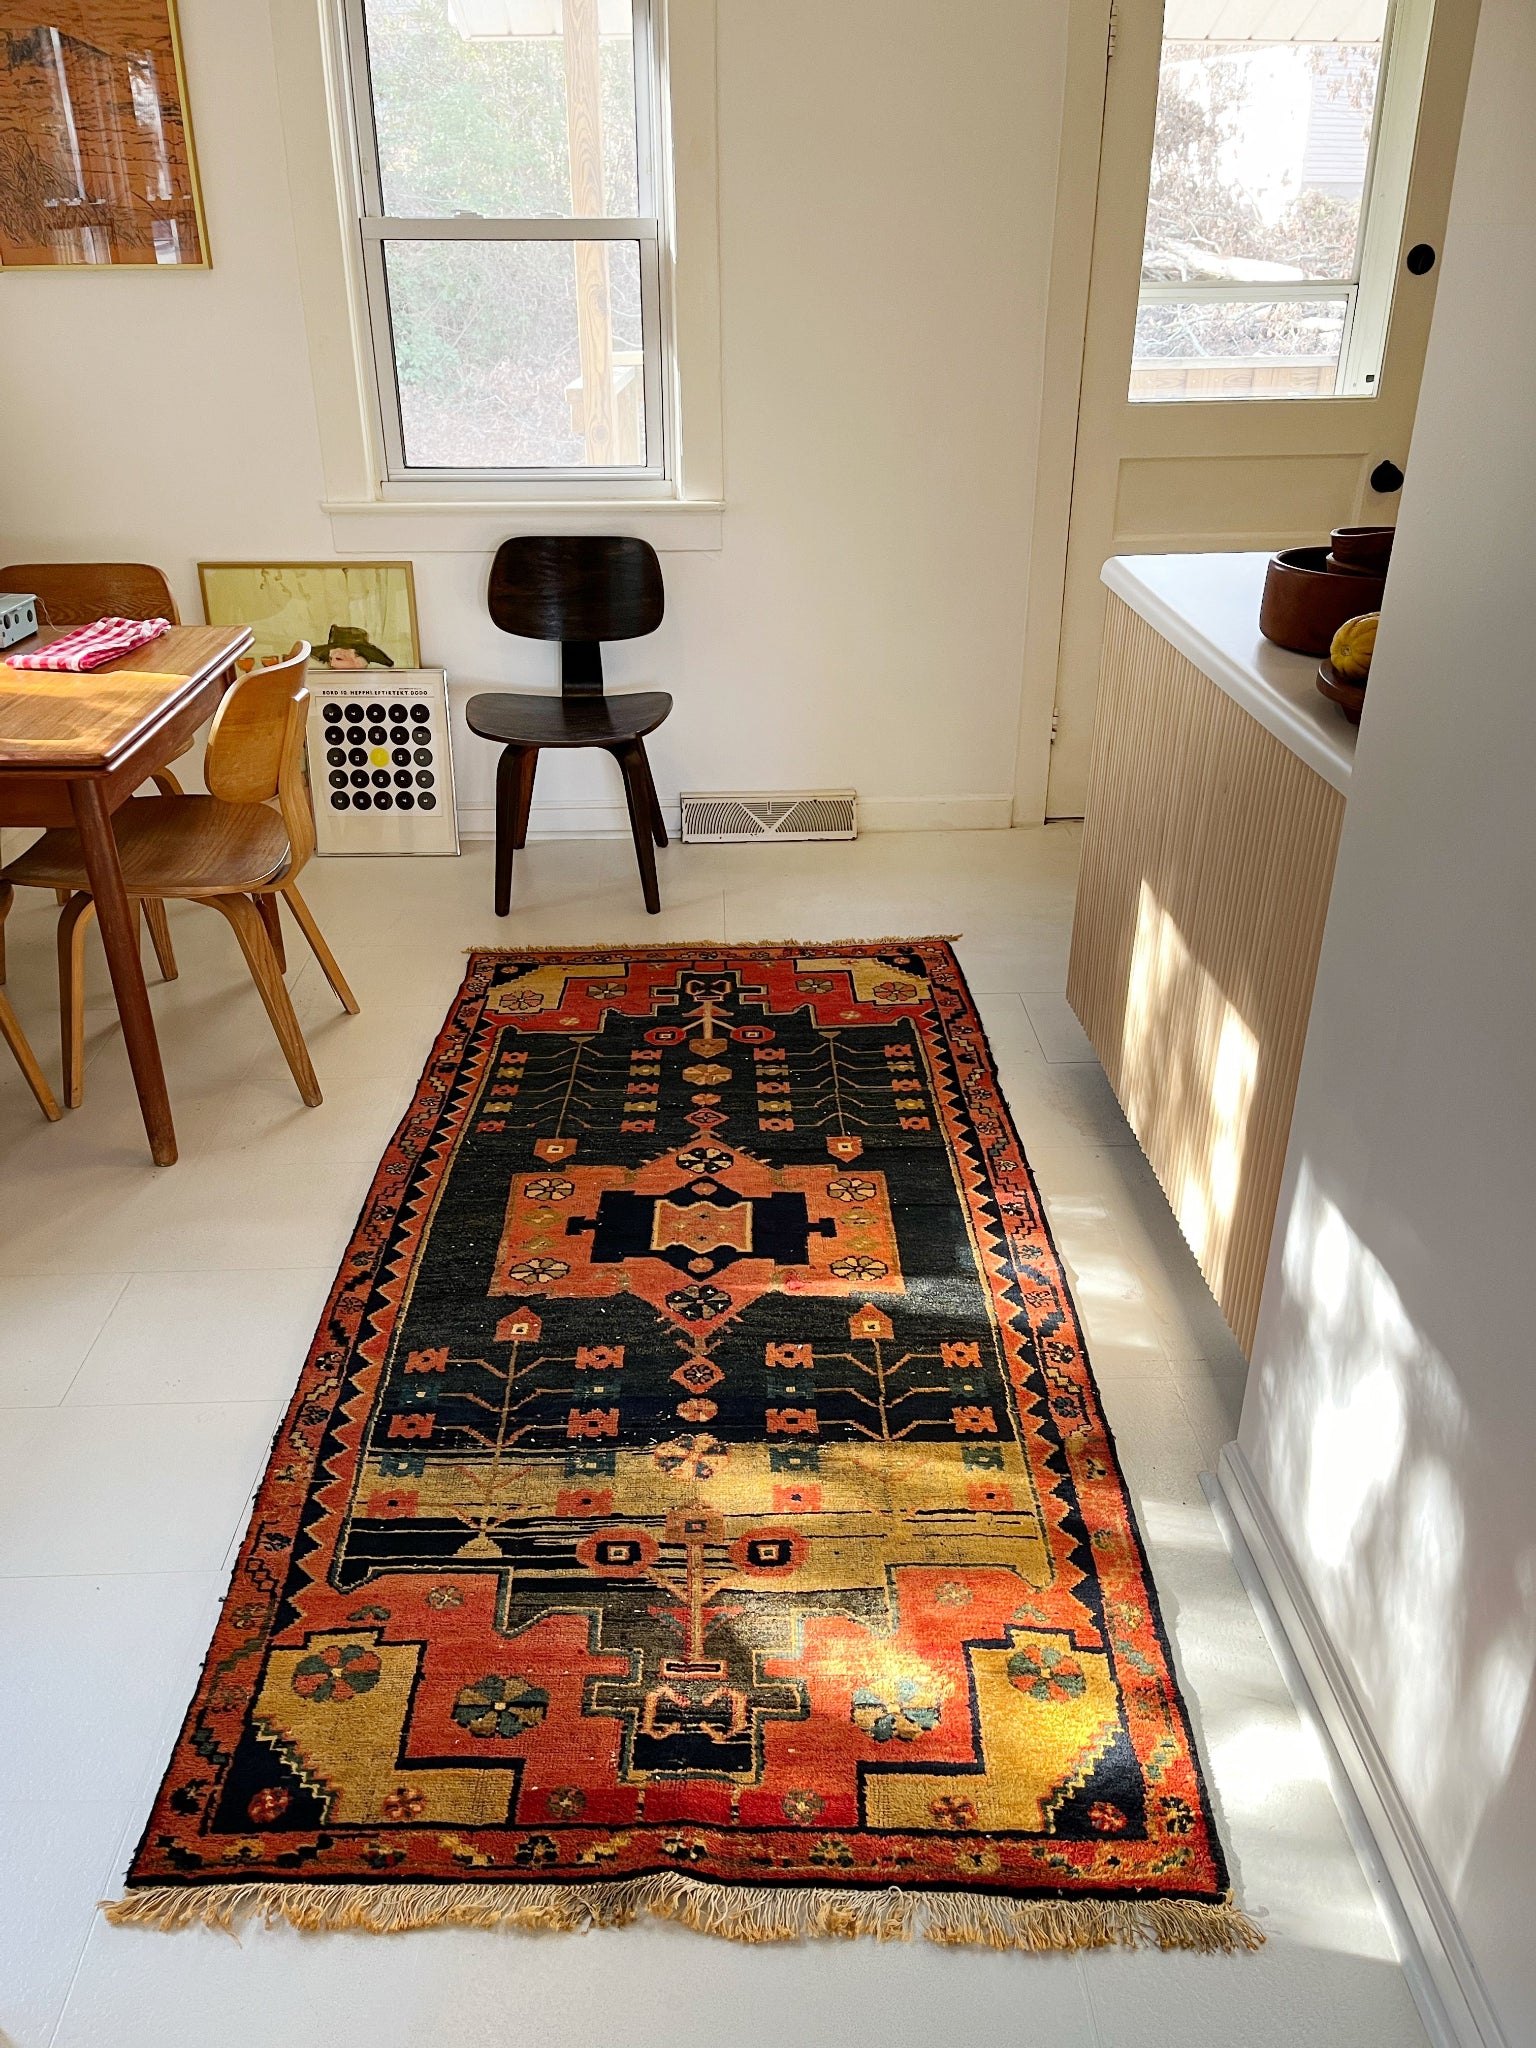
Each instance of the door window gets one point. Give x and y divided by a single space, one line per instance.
1275 190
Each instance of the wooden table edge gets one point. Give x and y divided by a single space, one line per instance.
69 767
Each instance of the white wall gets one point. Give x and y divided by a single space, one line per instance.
1391 1413
886 175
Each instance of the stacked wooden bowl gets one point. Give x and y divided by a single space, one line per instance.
1310 592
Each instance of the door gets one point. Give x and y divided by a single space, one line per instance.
1253 346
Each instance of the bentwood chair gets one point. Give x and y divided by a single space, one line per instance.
579 590
26 1059
231 850
77 594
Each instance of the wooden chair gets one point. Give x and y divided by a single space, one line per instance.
579 590
230 850
77 594
26 1059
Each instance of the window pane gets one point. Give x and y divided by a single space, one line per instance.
504 108
490 341
1259 161
1237 348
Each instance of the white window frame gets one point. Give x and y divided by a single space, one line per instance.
1368 292
374 228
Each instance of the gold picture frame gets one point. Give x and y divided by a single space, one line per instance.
355 615
98 169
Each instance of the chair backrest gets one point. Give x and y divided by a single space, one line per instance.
580 589
576 587
76 593
256 747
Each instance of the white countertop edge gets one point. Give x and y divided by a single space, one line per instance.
1296 725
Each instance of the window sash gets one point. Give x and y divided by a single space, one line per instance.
399 470
1370 289
459 227
1229 292
376 228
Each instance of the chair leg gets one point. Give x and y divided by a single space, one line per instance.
166 783
270 917
304 917
7 898
528 770
242 913
74 922
26 1059
631 760
658 822
509 782
160 934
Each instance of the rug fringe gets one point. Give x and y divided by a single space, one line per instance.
712 946
750 1913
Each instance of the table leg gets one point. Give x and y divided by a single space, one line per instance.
119 936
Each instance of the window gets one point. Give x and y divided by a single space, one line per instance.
509 236
1276 198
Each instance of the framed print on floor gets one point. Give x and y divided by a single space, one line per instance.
355 615
379 763
96 162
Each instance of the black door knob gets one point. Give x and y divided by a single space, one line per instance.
1420 258
1386 477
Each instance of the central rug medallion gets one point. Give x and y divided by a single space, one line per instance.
696 1501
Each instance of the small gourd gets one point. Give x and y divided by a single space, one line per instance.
1353 645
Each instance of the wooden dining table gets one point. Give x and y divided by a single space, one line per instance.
73 748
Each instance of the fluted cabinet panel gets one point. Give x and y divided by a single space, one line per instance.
1208 854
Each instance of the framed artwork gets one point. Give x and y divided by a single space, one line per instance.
380 767
355 615
96 161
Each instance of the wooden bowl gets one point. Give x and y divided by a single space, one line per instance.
1305 603
1335 567
1359 548
1350 697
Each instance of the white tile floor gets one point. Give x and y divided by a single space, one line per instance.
151 1324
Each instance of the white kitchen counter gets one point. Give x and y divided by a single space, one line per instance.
1207 606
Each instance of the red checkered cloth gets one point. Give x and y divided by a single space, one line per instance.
90 646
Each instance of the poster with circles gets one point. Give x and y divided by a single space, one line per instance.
379 764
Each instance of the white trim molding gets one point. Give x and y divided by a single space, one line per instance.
465 527
935 813
600 820
593 819
1441 1974
1076 206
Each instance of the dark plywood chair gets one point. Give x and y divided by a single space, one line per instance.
580 590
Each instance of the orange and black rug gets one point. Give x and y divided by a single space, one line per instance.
696 1502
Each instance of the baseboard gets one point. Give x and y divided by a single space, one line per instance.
561 821
935 813
1441 1974
876 814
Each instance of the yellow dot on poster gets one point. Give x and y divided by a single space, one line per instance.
379 756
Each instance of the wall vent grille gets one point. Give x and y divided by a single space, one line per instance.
719 817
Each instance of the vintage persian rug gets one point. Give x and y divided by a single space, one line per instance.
696 1502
